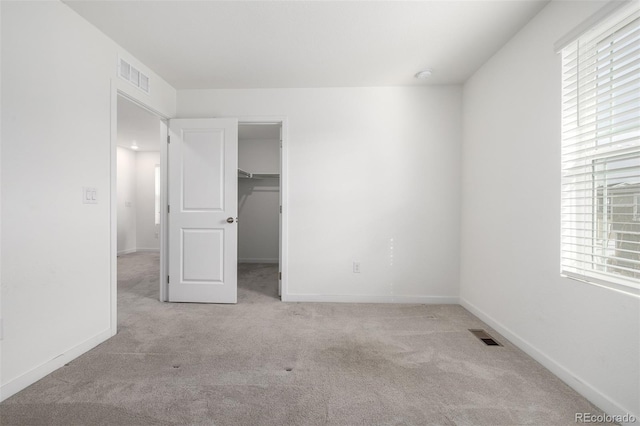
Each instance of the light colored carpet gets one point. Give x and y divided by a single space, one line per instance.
264 362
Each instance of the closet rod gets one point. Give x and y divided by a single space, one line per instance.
265 175
245 174
242 173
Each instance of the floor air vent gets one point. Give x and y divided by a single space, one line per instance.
485 337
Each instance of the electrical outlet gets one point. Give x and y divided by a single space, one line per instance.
356 267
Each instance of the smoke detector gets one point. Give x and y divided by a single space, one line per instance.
421 75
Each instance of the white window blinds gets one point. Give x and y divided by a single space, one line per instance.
601 152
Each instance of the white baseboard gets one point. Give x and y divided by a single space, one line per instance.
32 376
258 260
596 397
135 250
356 298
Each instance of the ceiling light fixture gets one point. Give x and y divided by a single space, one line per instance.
134 145
424 74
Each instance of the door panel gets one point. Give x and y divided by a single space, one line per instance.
202 256
203 169
203 194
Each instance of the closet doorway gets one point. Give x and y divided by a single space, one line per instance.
259 209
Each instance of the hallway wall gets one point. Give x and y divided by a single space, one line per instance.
147 232
127 201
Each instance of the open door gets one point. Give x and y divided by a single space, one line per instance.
203 210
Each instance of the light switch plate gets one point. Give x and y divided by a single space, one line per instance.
89 195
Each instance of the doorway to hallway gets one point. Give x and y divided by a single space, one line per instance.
138 195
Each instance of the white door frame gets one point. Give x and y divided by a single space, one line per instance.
284 195
113 214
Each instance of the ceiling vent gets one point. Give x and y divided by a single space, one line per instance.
133 75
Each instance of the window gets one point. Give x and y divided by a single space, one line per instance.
601 153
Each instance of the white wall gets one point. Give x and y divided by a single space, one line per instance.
259 155
258 202
373 177
137 230
127 202
56 135
510 272
1 133
147 232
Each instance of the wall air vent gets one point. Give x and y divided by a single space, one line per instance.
125 70
134 76
485 337
144 83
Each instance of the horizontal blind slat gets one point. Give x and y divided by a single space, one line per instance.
571 120
583 229
608 266
629 113
594 95
606 257
625 242
629 144
616 171
630 128
621 66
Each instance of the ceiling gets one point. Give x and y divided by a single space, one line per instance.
136 123
278 44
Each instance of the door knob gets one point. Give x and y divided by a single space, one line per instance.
229 220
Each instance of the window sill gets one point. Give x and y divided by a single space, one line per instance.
606 281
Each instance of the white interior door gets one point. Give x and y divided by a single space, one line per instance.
203 210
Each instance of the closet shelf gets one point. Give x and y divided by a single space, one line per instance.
247 175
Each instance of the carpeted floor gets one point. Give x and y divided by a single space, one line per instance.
264 362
